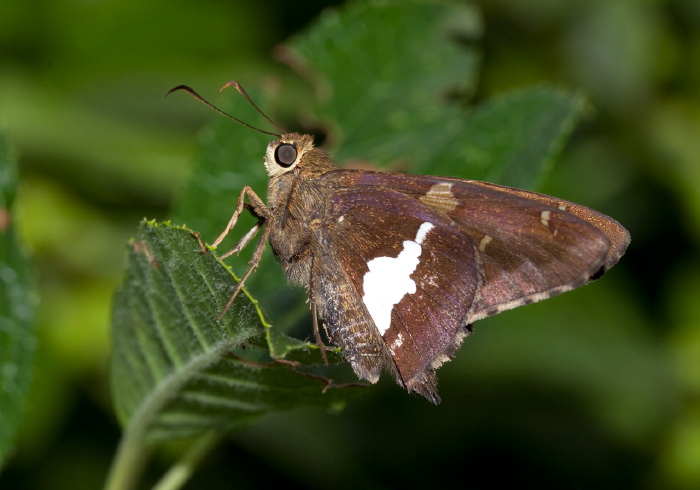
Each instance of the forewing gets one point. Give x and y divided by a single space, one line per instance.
530 246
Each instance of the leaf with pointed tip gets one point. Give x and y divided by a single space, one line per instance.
176 370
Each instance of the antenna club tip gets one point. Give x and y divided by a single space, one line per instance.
232 83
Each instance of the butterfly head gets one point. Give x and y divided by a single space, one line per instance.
290 151
283 155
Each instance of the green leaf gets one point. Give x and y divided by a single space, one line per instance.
176 370
512 139
385 71
17 311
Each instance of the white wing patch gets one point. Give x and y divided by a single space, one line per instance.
398 342
389 279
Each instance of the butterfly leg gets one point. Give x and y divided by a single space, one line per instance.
257 255
256 206
317 333
245 240
202 247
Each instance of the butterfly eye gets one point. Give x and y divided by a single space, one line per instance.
285 154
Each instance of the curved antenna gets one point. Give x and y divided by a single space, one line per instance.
238 87
212 106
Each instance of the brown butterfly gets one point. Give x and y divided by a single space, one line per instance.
398 267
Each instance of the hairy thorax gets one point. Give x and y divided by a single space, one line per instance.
298 211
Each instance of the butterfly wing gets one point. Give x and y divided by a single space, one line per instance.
411 261
529 243
404 290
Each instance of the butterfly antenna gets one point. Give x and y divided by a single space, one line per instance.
212 106
241 91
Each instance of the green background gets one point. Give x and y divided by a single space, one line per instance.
597 388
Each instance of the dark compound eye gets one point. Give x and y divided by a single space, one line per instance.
285 154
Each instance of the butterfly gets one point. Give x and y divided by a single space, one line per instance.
399 266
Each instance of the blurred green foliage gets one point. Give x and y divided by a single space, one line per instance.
17 311
597 388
